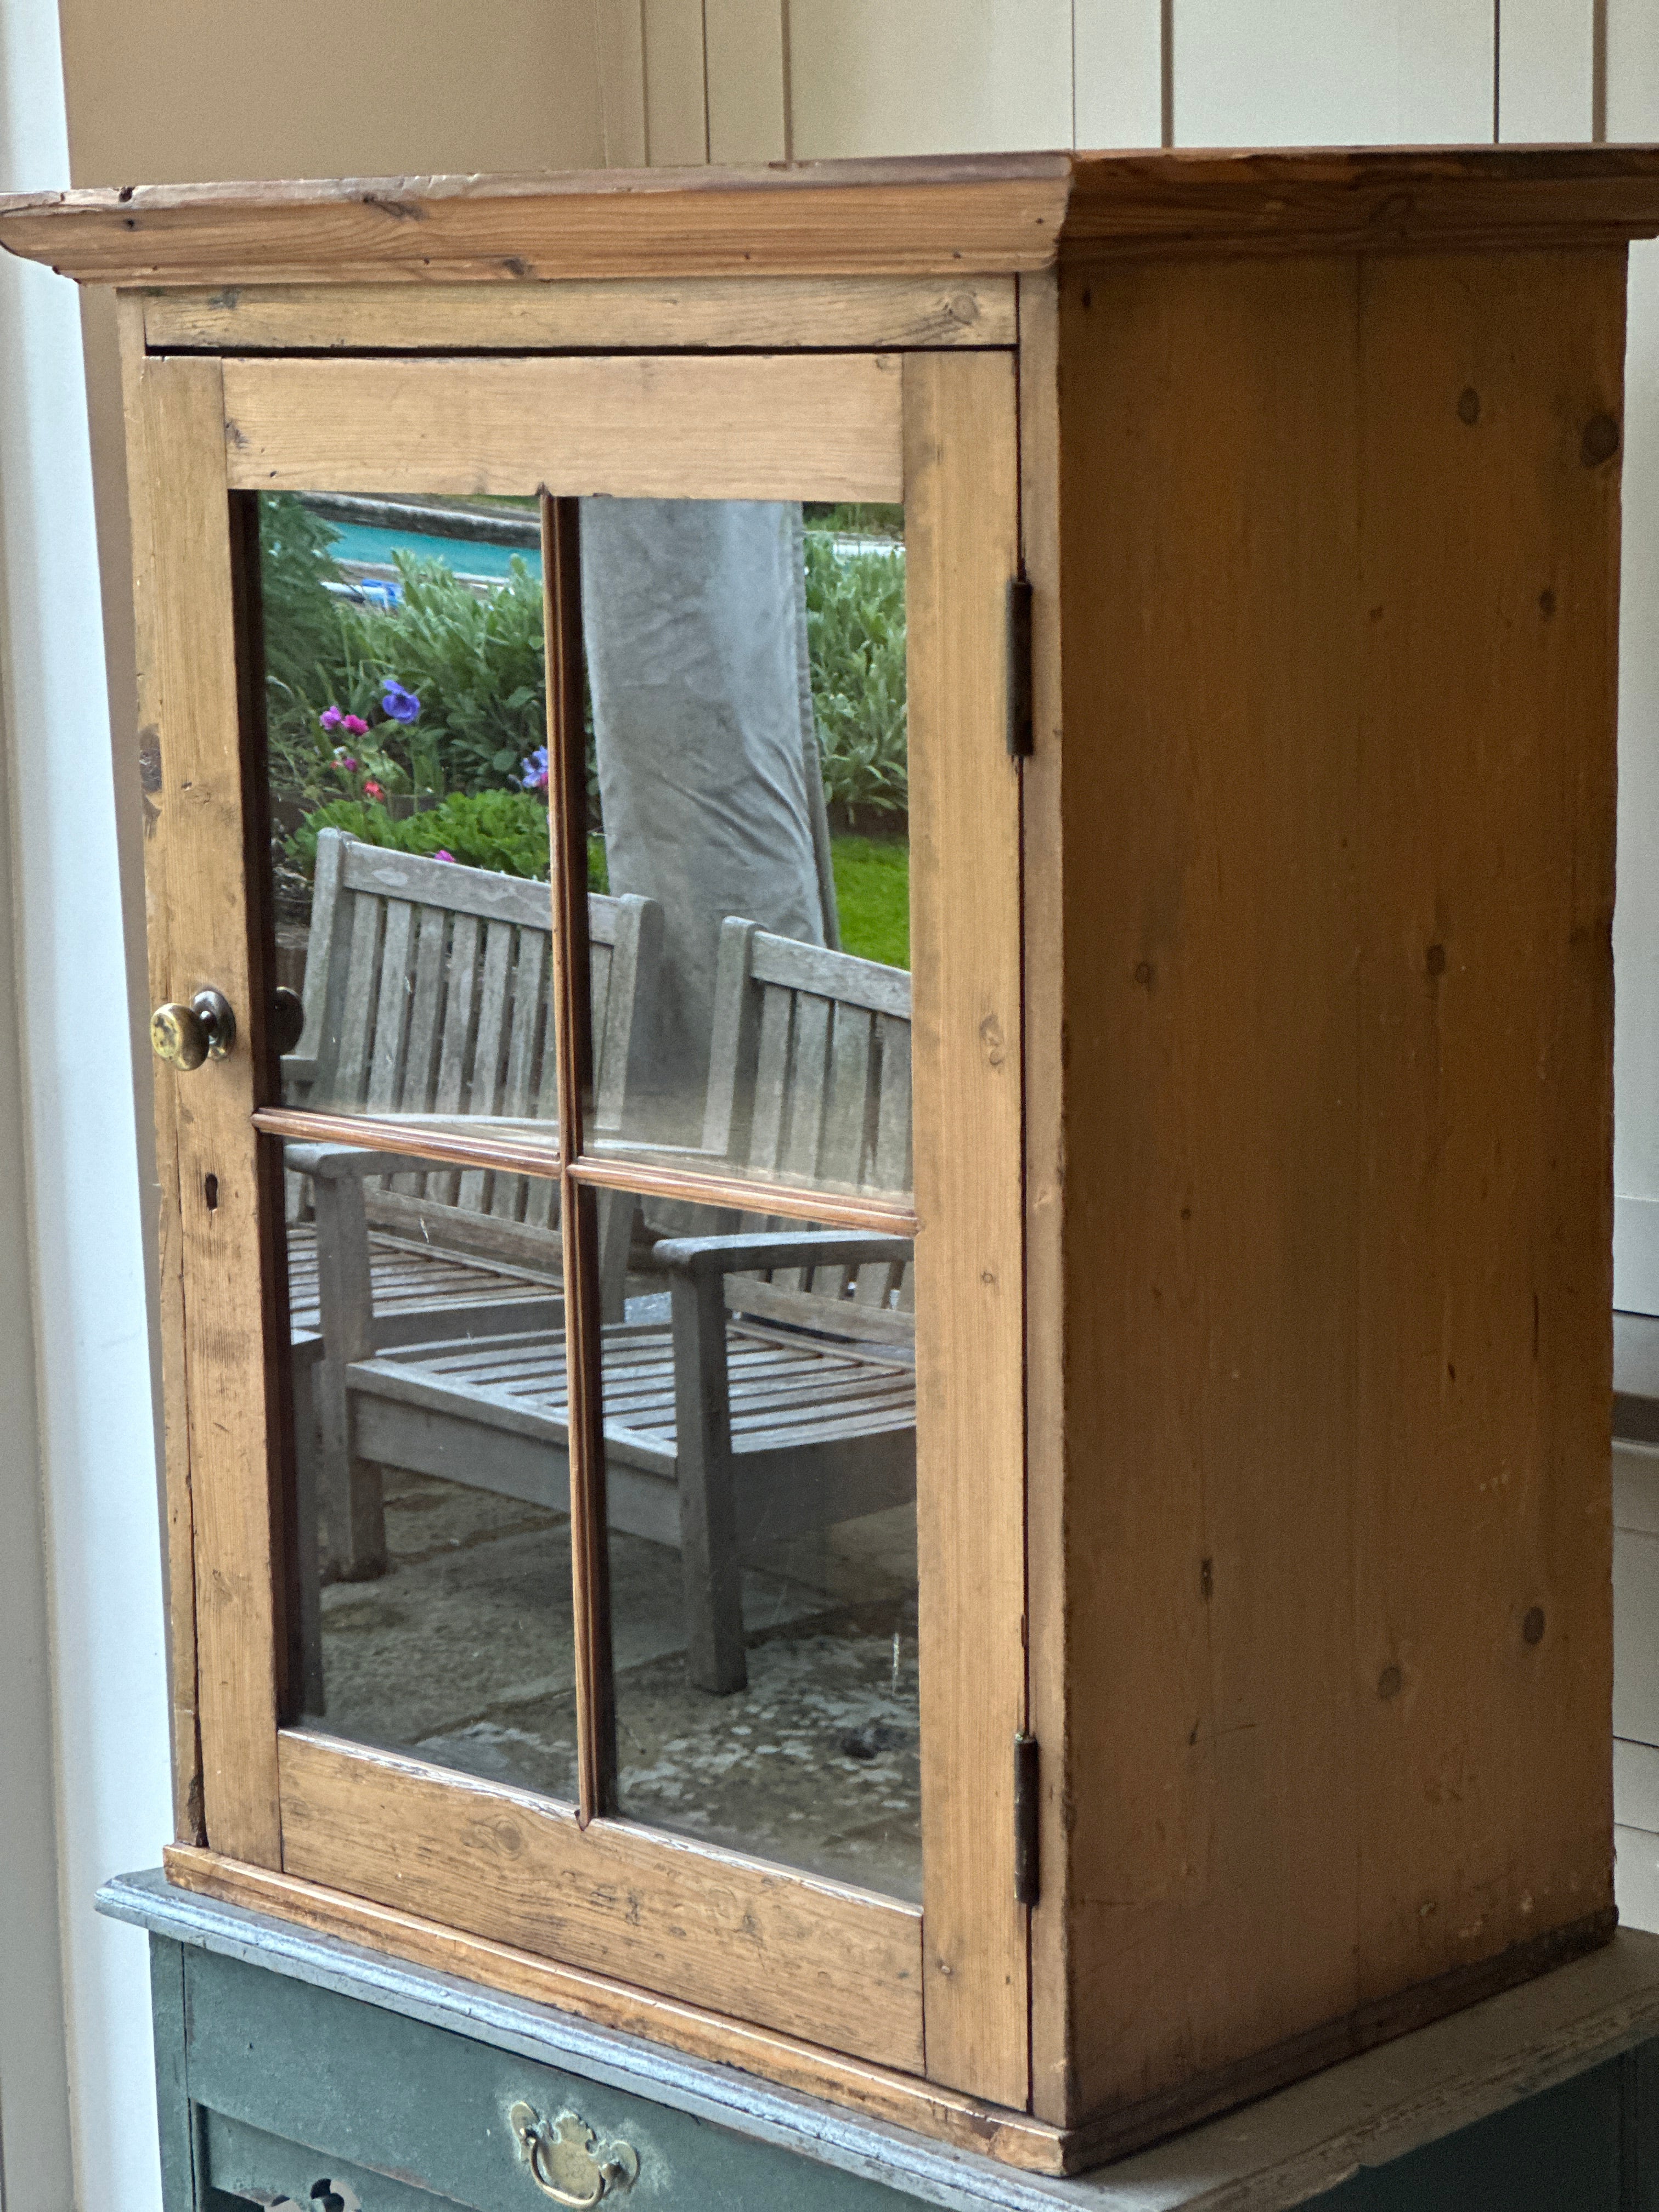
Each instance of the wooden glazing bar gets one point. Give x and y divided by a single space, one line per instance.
435 1139
793 1201
447 1138
567 787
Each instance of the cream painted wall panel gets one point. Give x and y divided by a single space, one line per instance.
746 89
1632 68
1633 113
1117 49
1545 70
931 77
181 89
1332 72
676 82
619 49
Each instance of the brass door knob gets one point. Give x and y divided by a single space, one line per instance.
186 1036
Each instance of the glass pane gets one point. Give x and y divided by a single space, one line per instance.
427 1379
404 663
746 662
759 1454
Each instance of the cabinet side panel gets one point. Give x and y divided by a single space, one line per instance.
1338 697
1210 547
220 1350
961 486
180 1548
1491 398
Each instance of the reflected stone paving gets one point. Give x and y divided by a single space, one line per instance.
462 1655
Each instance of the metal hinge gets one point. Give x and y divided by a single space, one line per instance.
1021 736
1026 1885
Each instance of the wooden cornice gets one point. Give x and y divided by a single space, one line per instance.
992 213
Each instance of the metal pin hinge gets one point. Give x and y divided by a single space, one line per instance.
1026 1885
1022 739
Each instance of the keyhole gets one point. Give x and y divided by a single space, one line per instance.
211 1192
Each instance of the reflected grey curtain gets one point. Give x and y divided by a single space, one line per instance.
694 620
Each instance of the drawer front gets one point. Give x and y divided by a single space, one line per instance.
296 2085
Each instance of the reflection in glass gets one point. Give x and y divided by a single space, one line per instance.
747 663
760 1438
749 925
435 1556
406 720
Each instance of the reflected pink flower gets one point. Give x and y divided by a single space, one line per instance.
372 790
440 854
354 724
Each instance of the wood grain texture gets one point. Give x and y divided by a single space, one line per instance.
1043 876
988 214
673 426
1336 1033
1489 687
960 535
880 2092
835 1965
993 214
226 1264
180 1552
732 313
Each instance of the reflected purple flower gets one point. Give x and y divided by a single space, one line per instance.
534 777
398 704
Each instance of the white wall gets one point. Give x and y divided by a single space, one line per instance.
1633 111
86 1562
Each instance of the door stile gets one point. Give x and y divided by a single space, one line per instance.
567 797
180 1582
196 865
962 513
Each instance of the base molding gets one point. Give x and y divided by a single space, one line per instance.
1131 2127
947 2116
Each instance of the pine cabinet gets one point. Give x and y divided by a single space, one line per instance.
879 908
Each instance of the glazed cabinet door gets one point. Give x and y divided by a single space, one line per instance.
584 897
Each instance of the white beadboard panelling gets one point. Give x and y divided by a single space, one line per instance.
1636 1877
676 104
745 80
1118 82
1635 1636
1632 68
1636 1786
1636 916
932 76
1635 1220
1633 113
1636 1487
1545 70
1333 72
619 43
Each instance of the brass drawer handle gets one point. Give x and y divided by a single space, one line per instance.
566 2161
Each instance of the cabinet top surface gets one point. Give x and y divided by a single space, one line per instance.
983 213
